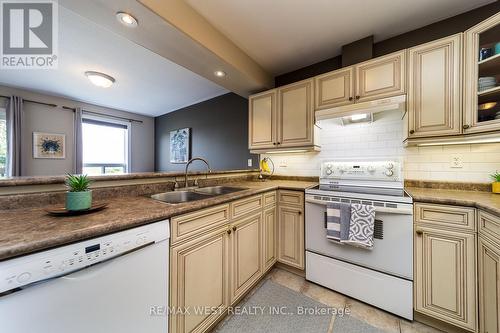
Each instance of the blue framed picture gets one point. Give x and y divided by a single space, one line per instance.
180 145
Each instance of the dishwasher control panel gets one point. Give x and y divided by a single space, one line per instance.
22 271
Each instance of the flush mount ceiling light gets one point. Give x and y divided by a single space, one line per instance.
126 19
220 73
100 79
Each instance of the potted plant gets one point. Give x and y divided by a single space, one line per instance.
495 186
79 196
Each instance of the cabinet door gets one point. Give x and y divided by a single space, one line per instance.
482 77
262 120
445 276
270 235
291 236
198 278
434 91
381 77
246 254
296 115
334 89
489 287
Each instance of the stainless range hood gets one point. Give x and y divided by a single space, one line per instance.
379 105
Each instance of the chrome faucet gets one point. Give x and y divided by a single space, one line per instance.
187 166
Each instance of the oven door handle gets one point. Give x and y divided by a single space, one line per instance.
388 210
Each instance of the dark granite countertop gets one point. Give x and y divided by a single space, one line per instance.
24 231
483 200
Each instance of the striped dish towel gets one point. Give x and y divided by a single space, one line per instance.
362 226
338 217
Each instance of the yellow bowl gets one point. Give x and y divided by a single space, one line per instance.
495 187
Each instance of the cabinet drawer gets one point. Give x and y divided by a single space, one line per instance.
269 198
294 198
191 224
247 205
445 216
489 225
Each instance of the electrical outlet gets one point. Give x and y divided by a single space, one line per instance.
457 161
250 162
283 164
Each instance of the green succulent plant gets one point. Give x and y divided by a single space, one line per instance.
495 176
77 183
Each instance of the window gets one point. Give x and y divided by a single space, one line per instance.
105 146
3 143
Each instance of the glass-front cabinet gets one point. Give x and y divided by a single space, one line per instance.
482 77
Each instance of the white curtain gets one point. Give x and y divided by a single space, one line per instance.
78 141
14 126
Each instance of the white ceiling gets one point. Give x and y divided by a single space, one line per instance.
284 35
146 83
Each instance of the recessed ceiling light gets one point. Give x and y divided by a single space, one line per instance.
100 79
220 73
127 19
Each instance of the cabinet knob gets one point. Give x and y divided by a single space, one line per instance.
412 131
228 231
279 143
234 228
300 213
350 98
274 143
466 126
419 231
358 97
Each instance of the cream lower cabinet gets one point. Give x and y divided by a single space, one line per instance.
199 278
291 233
489 286
246 254
270 222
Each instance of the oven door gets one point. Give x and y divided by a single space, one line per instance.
392 252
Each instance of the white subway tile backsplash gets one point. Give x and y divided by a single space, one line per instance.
383 139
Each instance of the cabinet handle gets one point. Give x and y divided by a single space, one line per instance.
228 231
412 131
234 228
358 97
350 98
466 126
419 231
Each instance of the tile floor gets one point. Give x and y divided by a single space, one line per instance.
372 316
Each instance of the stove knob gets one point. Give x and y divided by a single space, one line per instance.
371 168
24 277
329 172
389 165
389 173
329 165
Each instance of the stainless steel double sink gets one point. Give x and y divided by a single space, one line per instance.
201 193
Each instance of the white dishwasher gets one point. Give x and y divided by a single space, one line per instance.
113 283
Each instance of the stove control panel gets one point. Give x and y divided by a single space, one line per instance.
367 170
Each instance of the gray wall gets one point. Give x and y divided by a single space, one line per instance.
219 133
40 118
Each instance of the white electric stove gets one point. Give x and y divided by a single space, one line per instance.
382 276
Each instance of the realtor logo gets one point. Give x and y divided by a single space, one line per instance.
29 34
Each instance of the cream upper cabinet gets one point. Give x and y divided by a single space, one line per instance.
381 77
334 88
489 286
269 237
445 276
262 120
434 88
296 115
246 254
199 278
482 77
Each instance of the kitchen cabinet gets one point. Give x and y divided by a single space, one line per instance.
489 285
283 118
262 120
291 230
199 278
482 77
434 88
246 254
445 284
373 79
270 234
